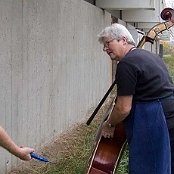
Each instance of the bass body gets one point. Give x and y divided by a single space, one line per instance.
107 153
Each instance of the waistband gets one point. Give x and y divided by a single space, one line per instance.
157 99
166 98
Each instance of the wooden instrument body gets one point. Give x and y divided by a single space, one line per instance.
107 153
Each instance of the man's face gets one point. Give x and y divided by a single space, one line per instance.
113 48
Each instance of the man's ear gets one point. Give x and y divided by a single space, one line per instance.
124 40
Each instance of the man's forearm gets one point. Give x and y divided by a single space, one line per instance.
117 116
7 143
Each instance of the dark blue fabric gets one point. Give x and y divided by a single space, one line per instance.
148 139
168 107
171 133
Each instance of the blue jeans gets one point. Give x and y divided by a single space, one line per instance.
148 139
168 107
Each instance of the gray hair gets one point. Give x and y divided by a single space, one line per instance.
116 31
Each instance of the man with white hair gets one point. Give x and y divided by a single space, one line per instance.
145 102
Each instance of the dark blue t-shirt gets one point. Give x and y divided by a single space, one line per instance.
144 75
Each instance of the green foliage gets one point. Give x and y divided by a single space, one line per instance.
169 61
168 48
123 166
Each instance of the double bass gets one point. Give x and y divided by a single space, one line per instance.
107 152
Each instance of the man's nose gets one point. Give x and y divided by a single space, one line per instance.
105 48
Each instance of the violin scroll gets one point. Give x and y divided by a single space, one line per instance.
168 14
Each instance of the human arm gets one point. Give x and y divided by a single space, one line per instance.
21 152
120 111
126 80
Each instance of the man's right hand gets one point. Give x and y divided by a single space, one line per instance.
107 130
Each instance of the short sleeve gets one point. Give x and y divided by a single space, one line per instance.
126 79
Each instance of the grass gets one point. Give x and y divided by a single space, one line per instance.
169 60
76 159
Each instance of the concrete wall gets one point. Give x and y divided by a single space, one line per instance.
52 68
